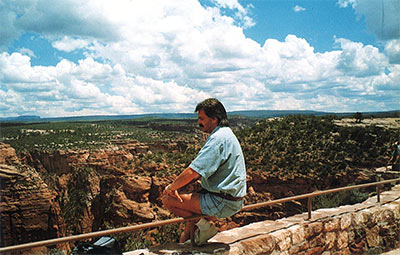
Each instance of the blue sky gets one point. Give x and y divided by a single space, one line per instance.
317 21
97 57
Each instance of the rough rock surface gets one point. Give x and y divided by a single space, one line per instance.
7 154
34 186
28 210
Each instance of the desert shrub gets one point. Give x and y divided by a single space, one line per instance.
332 200
147 238
76 135
312 146
75 204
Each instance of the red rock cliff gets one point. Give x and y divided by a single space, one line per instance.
28 208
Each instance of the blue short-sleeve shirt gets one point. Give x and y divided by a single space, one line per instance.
221 165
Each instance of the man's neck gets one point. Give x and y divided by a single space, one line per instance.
215 128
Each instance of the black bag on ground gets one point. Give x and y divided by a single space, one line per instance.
104 245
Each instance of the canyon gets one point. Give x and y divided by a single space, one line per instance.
34 188
50 193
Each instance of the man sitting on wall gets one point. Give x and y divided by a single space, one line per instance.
220 165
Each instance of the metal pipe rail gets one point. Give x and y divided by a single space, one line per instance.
309 196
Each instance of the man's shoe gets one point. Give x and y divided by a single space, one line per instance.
204 232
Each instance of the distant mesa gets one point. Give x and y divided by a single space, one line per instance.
22 118
28 117
150 116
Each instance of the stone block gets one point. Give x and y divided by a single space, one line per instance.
357 247
345 251
395 208
385 215
317 240
312 229
294 250
360 218
345 221
297 234
372 236
262 244
315 250
283 239
332 225
280 253
297 249
330 240
342 240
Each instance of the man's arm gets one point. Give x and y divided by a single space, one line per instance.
187 176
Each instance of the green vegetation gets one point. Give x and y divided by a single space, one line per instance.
85 135
147 238
313 147
78 199
348 197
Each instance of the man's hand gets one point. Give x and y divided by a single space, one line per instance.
173 193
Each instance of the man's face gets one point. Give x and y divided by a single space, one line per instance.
206 123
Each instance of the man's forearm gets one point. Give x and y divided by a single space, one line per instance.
187 176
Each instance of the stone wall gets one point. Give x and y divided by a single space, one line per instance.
365 228
345 230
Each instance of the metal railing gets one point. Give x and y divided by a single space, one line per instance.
308 196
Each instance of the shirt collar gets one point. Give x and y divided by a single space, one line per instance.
215 130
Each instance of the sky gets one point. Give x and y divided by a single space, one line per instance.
63 58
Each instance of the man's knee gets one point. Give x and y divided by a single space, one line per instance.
167 202
164 200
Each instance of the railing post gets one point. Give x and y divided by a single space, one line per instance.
309 207
378 189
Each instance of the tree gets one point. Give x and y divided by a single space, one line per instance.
358 116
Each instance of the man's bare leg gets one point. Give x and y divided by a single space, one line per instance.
187 232
189 207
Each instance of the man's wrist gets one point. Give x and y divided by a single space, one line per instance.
170 188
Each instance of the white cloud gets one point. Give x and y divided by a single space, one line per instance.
231 4
392 50
167 55
83 90
294 61
8 31
359 60
288 102
89 85
158 96
16 68
28 52
345 3
382 17
298 8
69 44
241 14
